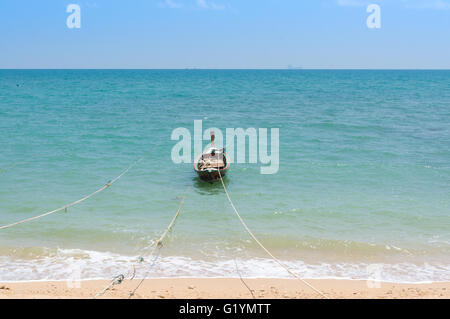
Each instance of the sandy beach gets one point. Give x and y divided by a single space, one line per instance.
225 288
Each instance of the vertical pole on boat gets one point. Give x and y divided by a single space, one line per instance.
212 139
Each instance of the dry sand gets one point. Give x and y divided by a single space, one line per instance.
224 288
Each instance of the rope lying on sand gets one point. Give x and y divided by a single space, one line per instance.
262 246
108 184
242 280
155 253
116 281
120 278
159 242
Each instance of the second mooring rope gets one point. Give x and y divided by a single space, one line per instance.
2 170
116 281
242 279
155 253
108 184
159 244
263 247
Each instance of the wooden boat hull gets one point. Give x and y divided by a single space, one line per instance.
213 164
212 174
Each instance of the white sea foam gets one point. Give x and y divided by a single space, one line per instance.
70 264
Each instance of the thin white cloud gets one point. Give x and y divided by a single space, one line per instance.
412 4
92 5
350 3
427 4
204 4
172 4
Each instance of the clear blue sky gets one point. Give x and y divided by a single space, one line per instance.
225 34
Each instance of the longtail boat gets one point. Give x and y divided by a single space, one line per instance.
208 164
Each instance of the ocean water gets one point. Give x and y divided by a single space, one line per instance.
362 191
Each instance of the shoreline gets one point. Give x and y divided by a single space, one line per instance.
224 288
425 282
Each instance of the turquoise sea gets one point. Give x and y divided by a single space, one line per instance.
364 175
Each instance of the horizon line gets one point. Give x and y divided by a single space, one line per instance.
243 69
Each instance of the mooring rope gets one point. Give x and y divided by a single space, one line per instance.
159 242
2 170
262 246
140 260
108 184
116 281
242 279
156 249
